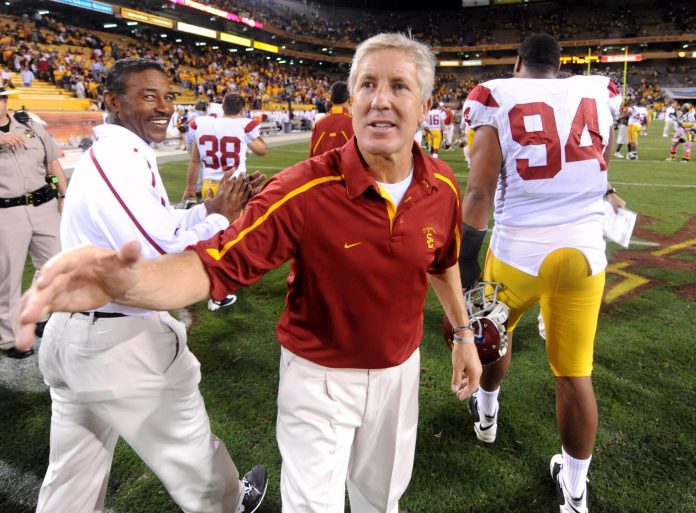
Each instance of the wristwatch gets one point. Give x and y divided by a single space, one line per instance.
611 190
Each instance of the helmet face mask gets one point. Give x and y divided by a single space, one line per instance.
488 320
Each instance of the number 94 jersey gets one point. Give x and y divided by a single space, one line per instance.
552 135
222 143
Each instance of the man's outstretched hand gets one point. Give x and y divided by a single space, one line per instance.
81 279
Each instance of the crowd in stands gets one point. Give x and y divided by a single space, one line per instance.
505 24
77 59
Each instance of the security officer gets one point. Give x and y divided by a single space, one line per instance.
30 178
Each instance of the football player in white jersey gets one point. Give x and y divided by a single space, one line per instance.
686 125
670 119
542 148
637 119
220 146
435 120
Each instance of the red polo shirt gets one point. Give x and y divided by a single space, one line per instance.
332 131
359 267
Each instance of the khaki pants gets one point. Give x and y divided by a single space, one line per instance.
23 229
339 427
130 377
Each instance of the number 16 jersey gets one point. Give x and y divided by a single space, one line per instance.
552 135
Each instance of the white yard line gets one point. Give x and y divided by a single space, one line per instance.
22 375
638 242
22 488
641 184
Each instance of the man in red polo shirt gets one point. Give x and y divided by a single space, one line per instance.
366 228
336 128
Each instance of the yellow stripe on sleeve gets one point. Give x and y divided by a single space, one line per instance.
218 254
448 182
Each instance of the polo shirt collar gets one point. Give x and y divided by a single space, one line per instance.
358 178
128 139
338 110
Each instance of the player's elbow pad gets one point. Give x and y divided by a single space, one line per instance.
469 269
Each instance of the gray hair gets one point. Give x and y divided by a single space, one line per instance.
422 56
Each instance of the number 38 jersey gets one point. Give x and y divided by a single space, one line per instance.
552 135
222 143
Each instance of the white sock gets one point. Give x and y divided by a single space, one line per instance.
575 474
488 401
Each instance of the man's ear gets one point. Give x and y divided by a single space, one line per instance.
426 109
518 66
111 101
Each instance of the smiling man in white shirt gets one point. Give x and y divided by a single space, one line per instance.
123 371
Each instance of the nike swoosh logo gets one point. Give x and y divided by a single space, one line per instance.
348 246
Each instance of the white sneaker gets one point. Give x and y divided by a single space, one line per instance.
216 305
567 504
485 427
618 155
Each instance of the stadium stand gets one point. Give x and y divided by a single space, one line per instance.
69 61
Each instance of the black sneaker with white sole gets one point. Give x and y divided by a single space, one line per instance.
566 503
254 484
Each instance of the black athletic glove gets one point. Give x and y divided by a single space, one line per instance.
469 268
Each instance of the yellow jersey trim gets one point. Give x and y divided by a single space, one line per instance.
318 141
391 208
457 232
218 254
448 182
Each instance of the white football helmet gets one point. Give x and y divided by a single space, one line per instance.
488 318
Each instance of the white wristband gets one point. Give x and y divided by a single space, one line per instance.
458 339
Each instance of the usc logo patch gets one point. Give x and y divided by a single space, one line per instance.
429 232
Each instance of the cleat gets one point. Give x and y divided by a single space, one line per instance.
567 504
253 489
216 305
618 155
485 429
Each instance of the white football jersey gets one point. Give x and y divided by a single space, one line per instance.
436 119
215 110
637 115
222 143
552 135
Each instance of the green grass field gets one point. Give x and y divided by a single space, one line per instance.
645 455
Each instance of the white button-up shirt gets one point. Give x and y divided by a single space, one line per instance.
116 195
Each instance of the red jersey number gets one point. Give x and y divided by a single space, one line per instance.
434 119
228 148
585 116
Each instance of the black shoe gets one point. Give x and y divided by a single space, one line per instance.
18 355
254 484
39 328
